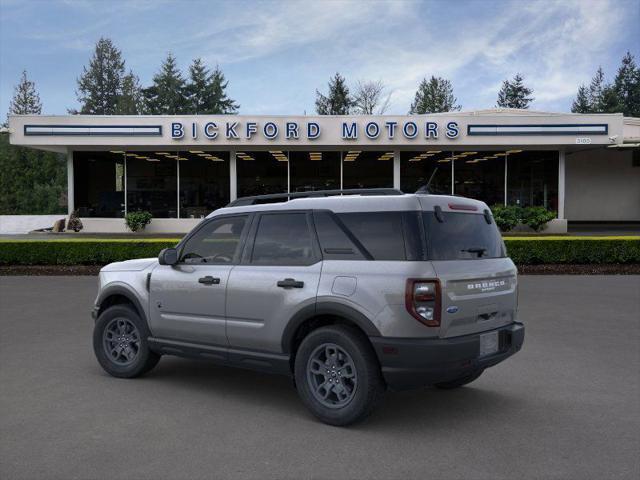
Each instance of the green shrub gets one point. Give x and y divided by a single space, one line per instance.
573 250
506 217
137 220
523 250
537 217
78 251
509 216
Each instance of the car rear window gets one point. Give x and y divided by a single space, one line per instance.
462 236
381 233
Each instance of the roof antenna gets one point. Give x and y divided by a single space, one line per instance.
425 188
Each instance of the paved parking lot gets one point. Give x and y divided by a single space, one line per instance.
567 406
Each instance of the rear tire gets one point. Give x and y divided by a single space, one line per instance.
337 375
459 382
120 343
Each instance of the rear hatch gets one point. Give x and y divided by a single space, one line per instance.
478 282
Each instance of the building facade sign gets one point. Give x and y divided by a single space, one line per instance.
367 131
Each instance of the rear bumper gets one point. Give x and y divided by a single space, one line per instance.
410 363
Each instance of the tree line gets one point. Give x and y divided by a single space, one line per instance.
106 88
621 95
435 95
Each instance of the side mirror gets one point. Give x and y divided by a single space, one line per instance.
168 256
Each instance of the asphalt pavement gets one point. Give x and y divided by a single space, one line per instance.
567 406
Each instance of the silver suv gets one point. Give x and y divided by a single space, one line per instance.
348 292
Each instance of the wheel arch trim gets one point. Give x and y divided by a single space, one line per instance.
124 291
326 308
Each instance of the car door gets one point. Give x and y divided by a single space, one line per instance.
187 300
279 275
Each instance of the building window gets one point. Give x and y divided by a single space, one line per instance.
99 184
532 179
364 169
314 171
152 183
480 175
204 182
427 167
260 173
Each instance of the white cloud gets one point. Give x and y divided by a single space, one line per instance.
556 45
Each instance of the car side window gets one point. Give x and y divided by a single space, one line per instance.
381 233
283 239
217 242
334 240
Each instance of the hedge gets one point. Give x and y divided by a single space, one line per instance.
523 250
573 250
78 251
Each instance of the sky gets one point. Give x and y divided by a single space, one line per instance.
275 54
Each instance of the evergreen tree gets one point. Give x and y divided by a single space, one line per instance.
433 96
130 101
31 181
338 101
627 86
196 89
25 99
596 91
167 95
581 104
206 91
100 85
514 94
218 100
610 101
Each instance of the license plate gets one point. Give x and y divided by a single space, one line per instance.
488 343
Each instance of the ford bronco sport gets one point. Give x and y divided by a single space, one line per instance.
348 292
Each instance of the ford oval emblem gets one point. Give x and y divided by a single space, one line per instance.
452 309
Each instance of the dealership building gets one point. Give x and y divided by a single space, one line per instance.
180 168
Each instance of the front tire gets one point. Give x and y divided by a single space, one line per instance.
120 343
337 375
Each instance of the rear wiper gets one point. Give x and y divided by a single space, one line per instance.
479 250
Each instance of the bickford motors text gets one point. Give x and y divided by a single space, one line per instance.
349 130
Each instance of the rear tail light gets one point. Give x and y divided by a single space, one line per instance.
422 299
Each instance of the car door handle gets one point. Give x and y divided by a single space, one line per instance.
290 283
209 280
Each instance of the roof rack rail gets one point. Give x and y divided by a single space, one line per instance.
285 197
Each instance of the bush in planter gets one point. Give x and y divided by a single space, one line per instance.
536 217
506 217
137 220
75 223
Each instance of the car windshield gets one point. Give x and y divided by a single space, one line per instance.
462 236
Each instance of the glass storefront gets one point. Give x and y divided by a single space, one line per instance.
532 178
191 184
152 184
99 184
430 168
479 175
260 173
314 171
204 182
367 169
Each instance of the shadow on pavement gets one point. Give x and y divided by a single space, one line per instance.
429 407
